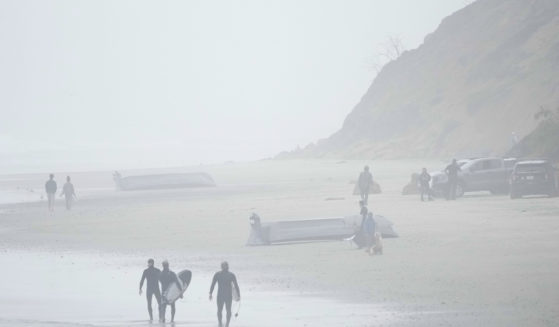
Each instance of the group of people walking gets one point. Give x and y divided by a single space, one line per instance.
224 279
67 191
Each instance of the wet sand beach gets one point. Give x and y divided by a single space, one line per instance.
483 260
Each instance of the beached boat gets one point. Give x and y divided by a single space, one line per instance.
162 181
311 229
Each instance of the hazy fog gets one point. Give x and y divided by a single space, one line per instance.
117 84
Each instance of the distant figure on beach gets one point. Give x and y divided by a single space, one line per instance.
365 182
452 173
360 237
363 212
151 275
370 229
225 280
424 188
50 188
68 192
166 278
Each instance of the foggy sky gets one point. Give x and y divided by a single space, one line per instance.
123 84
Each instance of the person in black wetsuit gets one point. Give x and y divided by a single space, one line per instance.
166 278
452 172
225 280
151 275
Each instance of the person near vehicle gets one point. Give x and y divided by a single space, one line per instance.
166 278
452 173
68 192
225 281
424 179
365 182
50 189
151 277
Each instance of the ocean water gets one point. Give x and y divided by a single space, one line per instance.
94 289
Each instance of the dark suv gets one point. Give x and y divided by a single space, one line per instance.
533 177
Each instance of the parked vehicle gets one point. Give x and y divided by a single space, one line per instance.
479 174
533 177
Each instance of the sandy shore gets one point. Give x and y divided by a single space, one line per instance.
482 260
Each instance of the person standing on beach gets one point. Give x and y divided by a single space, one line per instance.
50 188
151 275
166 278
370 229
363 212
68 192
424 188
360 237
225 280
365 182
452 173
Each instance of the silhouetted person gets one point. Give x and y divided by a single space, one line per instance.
166 278
452 173
370 229
424 188
151 275
68 192
50 188
360 237
225 280
365 182
363 211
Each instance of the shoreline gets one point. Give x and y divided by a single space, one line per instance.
122 306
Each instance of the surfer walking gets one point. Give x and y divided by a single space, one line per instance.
365 182
225 280
167 278
151 276
50 189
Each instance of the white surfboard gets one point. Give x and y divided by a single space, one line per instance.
236 295
172 293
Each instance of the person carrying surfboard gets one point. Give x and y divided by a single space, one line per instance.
166 278
151 275
225 280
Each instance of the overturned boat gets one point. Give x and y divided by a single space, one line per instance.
307 230
162 181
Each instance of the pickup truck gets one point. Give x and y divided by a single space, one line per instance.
479 174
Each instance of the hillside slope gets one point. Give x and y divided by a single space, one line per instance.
542 142
478 78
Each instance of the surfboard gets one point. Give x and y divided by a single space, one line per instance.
172 293
236 295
